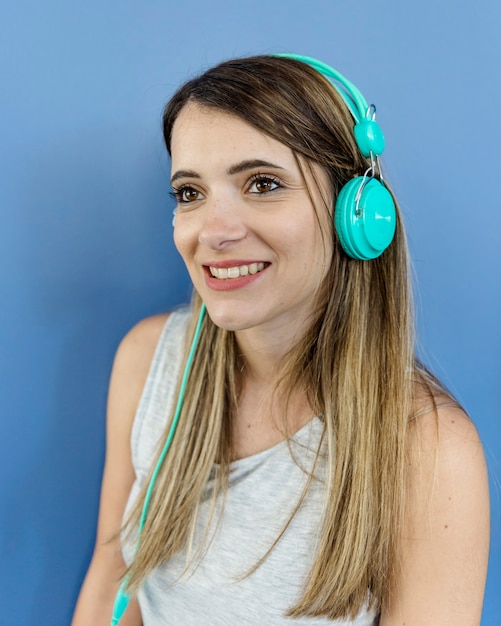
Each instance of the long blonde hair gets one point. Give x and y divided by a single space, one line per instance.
356 361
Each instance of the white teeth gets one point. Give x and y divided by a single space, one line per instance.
235 272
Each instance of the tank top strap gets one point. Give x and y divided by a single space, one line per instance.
158 394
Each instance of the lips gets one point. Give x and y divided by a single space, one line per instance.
223 273
233 274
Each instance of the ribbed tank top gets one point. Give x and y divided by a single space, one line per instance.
263 491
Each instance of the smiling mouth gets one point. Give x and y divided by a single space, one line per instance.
223 273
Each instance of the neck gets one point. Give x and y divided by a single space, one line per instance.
264 350
266 414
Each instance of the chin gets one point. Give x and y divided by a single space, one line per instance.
231 318
229 323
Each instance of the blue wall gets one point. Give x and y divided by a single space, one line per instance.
85 236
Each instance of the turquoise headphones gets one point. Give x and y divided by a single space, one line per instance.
365 215
365 221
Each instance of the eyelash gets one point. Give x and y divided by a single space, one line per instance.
268 179
178 192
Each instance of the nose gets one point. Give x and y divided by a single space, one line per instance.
223 223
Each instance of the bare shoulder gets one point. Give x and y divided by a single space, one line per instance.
445 457
446 429
444 447
442 560
441 431
446 470
138 346
130 370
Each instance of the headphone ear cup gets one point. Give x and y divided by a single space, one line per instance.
365 232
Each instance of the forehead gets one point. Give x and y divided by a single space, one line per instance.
201 132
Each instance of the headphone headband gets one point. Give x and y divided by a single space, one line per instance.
368 134
352 96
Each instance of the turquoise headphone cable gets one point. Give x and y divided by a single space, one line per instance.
122 598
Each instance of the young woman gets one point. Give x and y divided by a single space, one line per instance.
318 473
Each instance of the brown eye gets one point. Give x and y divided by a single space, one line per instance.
185 194
263 184
188 194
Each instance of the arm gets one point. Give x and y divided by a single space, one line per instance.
442 564
130 369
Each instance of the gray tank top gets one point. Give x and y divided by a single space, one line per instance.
263 490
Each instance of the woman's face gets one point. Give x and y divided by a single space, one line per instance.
245 224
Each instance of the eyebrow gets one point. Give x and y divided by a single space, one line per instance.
184 174
250 165
243 166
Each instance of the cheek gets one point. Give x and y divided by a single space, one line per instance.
178 242
314 238
182 241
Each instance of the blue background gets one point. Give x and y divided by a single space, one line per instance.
85 235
